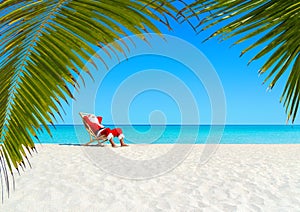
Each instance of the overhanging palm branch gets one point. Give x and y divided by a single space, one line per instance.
42 45
275 24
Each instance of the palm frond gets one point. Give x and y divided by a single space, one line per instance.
275 24
42 46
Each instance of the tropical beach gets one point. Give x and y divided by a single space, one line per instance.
236 178
141 105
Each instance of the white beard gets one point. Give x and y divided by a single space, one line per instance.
94 119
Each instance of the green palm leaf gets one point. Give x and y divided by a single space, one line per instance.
274 23
42 44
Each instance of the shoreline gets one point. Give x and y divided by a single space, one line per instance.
237 177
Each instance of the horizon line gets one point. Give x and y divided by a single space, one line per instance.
110 124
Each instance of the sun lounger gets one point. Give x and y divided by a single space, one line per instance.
93 137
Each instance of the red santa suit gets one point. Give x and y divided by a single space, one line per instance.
95 124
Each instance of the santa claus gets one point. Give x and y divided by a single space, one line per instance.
96 125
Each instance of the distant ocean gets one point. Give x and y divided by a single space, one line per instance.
146 134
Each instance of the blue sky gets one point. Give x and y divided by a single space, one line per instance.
247 100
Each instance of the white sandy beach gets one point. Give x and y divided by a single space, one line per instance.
236 178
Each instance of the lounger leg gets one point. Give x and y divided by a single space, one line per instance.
91 141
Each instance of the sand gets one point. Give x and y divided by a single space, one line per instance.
235 178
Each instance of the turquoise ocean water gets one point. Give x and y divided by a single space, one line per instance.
232 134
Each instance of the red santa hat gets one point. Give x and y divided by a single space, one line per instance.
99 119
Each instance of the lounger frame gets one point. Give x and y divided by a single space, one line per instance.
93 137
